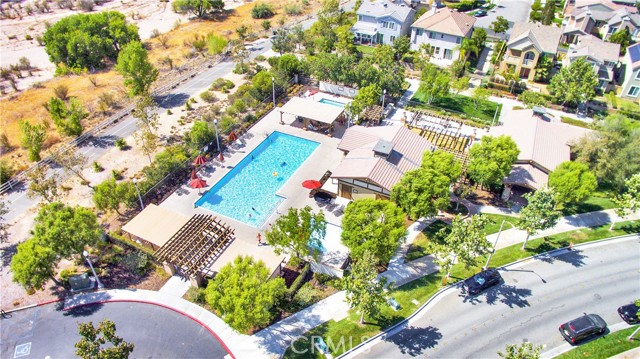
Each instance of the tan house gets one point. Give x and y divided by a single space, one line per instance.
601 18
528 42
376 158
602 55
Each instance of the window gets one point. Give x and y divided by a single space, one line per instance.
392 38
612 29
385 24
359 17
458 40
448 54
419 32
609 64
432 35
638 75
634 91
436 51
442 36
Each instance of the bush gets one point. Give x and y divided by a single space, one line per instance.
121 144
195 295
306 296
262 11
28 37
241 68
249 118
136 262
293 9
260 58
221 84
6 170
530 99
302 278
208 97
97 167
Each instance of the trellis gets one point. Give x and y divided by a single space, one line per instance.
197 244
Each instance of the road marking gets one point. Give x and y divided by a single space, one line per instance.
22 350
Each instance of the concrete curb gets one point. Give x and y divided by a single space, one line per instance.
566 347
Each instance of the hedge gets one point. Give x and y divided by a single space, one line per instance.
295 286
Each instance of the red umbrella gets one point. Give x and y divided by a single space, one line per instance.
193 174
221 157
311 184
233 136
198 183
199 160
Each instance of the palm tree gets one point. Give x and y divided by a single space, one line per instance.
467 46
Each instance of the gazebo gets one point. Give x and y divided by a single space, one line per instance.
311 115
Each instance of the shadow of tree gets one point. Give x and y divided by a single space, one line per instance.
509 295
83 311
574 257
413 341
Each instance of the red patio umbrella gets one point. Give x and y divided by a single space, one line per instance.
233 136
311 184
199 160
198 183
221 157
193 174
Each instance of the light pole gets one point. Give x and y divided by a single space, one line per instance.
86 256
273 90
135 183
486 266
215 126
384 93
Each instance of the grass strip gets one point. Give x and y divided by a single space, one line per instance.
604 347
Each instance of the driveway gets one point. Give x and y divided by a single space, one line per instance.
157 332
512 10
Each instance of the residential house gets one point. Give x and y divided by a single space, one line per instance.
444 30
528 42
631 84
382 21
543 146
376 158
603 55
600 18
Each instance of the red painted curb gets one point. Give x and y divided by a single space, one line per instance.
163 306
50 301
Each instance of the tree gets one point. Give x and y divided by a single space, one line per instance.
500 25
4 234
574 84
288 65
200 135
365 293
6 170
344 42
243 295
629 200
623 38
530 99
147 135
572 182
299 232
466 241
457 67
366 96
548 13
282 42
199 8
543 68
72 162
216 44
376 226
67 119
42 185
526 350
262 11
459 85
467 47
383 56
434 82
539 213
478 37
109 195
401 45
490 160
93 339
87 40
33 264
133 64
480 94
32 138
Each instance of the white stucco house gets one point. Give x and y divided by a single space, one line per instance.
631 84
444 30
382 21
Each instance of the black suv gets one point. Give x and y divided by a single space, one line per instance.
482 281
629 313
583 328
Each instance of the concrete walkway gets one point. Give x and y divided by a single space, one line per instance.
176 286
629 354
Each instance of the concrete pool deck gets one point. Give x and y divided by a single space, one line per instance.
325 157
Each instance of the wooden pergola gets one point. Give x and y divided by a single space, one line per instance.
373 114
197 245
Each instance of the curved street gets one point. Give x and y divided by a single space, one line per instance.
49 332
535 298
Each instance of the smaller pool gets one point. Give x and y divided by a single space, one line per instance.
332 102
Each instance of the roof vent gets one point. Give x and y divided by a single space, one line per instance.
385 4
383 148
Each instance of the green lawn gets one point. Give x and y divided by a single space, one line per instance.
599 201
460 105
422 289
422 246
366 50
574 122
604 347
496 221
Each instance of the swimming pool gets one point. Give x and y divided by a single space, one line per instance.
248 192
332 102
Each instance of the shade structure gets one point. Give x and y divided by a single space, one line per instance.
199 160
311 184
193 174
198 183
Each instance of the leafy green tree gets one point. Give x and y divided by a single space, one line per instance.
216 44
199 8
200 135
401 45
33 264
434 82
526 350
72 162
530 99
373 225
572 182
299 232
344 42
365 293
133 64
242 294
32 138
282 42
41 185
543 68
109 195
478 37
490 160
101 342
289 65
147 121
466 47
500 25
457 67
623 38
383 55
574 84
262 11
366 96
480 94
67 119
460 84
466 241
548 13
539 213
4 234
87 40
629 200
6 170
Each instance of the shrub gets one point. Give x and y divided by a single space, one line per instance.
155 33
241 68
28 37
86 5
306 296
97 167
262 11
6 169
121 144
61 92
208 97
260 58
195 295
293 9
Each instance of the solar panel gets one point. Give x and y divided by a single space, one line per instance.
634 53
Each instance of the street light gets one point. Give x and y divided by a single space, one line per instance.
384 93
215 126
273 90
135 183
486 266
86 256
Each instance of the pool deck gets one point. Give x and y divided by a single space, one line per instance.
325 157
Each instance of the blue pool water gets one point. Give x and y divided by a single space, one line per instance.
248 192
332 102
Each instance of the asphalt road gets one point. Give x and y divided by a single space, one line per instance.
156 332
512 10
535 298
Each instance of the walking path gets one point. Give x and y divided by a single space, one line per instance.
176 286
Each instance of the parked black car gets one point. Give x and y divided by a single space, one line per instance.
582 328
629 313
481 281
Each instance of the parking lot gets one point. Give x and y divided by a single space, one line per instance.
512 10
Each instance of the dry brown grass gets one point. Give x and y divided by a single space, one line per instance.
28 104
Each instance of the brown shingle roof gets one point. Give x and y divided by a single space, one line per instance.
544 37
446 21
